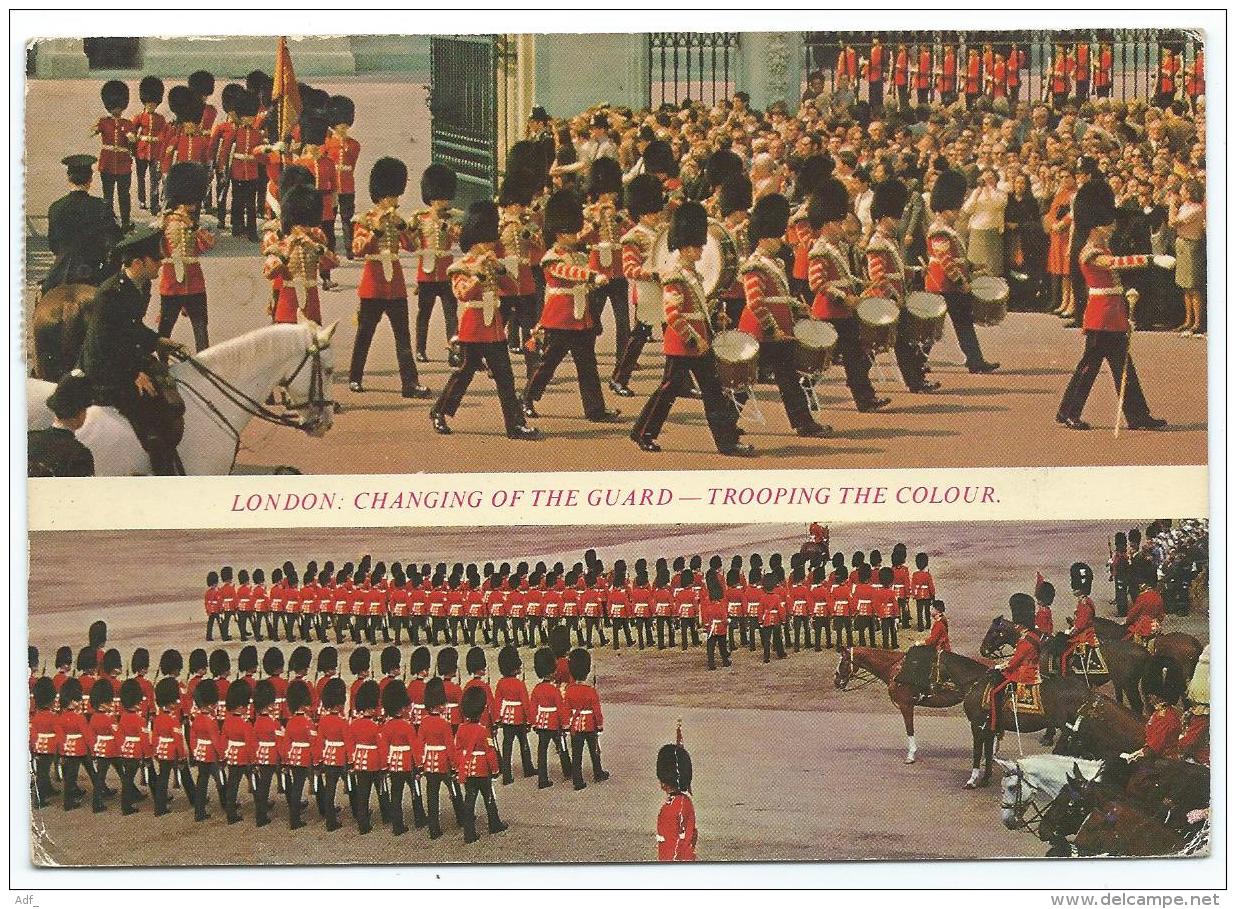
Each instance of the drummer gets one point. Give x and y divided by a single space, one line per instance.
688 342
835 289
770 311
734 206
645 205
886 276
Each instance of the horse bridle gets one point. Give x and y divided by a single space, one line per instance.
1020 807
864 676
316 396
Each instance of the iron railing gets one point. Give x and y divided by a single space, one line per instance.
697 66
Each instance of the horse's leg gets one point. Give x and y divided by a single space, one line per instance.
989 743
901 697
977 735
1049 736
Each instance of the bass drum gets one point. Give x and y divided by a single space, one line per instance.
718 265
877 324
814 343
738 358
927 312
990 299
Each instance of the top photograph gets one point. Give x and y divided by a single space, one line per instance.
626 251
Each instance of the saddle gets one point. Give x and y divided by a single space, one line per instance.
1087 659
1024 697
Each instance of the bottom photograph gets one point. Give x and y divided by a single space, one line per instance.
759 692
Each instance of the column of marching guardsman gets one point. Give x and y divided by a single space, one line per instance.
816 603
272 728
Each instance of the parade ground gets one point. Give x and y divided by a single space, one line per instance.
1002 419
786 766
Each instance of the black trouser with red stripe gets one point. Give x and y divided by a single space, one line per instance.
778 358
866 626
510 734
582 346
426 293
1112 346
520 313
675 381
823 632
371 313
543 738
476 354
844 623
628 358
961 314
616 293
119 185
482 786
857 362
193 306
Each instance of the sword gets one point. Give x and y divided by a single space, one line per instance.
1132 296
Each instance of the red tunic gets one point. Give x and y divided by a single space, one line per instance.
1163 731
1083 622
378 236
676 832
237 152
477 755
1106 306
438 754
491 708
295 262
828 276
901 67
1043 621
566 290
770 309
514 708
104 736
1147 611
343 154
938 636
478 288
117 135
604 229
923 585
400 743
44 732
266 735
686 314
183 242
299 743
1023 667
922 78
324 177
772 608
434 236
76 737
946 260
334 741
238 740
584 708
179 147
947 81
148 131
204 739
548 710
367 754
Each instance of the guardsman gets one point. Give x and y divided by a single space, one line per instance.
182 285
714 616
1169 70
419 664
478 279
368 762
1082 634
946 81
1022 668
438 757
267 730
810 174
514 713
948 267
677 836
923 589
475 663
64 666
901 583
325 180
566 320
133 747
1195 79
901 77
1163 686
688 342
772 614
770 310
1145 615
118 136
847 68
299 256
606 225
447 668
434 234
333 747
55 451
205 745
645 201
220 140
149 127
343 150
1082 69
239 152
81 230
520 247
938 637
238 744
1044 596
44 740
549 717
1012 75
401 745
1107 328
76 743
733 200
1061 70
478 763
586 721
835 289
922 75
876 65
184 142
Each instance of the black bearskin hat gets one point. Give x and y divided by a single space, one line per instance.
1082 577
97 635
186 184
1102 209
949 192
689 226
645 196
202 83
367 696
292 176
206 694
239 695
659 158
519 186
390 659
472 705
230 95
150 90
272 661
480 225
260 84
560 640
438 182
735 194
70 691
721 166
920 561
246 104
1163 678
301 206
563 215
179 101
220 662
212 578
812 173
420 661
888 199
605 176
312 129
198 661
115 94
139 661
101 694
435 694
474 660
829 203
1021 608
167 692
130 694
112 663
299 697
543 662
340 109
1045 593
674 768
264 696
44 693
225 573
247 661
64 656
334 694
508 660
328 659
394 698
360 661
448 662
388 177
769 218
300 659
580 664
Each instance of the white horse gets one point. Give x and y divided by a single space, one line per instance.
1032 782
223 388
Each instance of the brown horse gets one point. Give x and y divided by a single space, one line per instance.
1183 648
1121 827
59 329
870 664
1102 730
814 550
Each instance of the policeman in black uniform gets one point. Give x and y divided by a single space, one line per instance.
55 452
81 229
121 354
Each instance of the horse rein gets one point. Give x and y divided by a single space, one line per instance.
864 676
1020 807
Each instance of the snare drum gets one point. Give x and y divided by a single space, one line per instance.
1167 262
926 322
649 302
814 345
738 356
991 299
877 324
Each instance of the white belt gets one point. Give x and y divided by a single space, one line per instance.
506 704
238 157
479 753
71 735
1106 291
231 743
178 264
387 259
116 148
329 744
299 745
488 305
397 749
264 744
605 254
142 138
103 738
435 747
578 292
364 747
584 712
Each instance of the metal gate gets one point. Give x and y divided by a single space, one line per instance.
696 66
463 104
